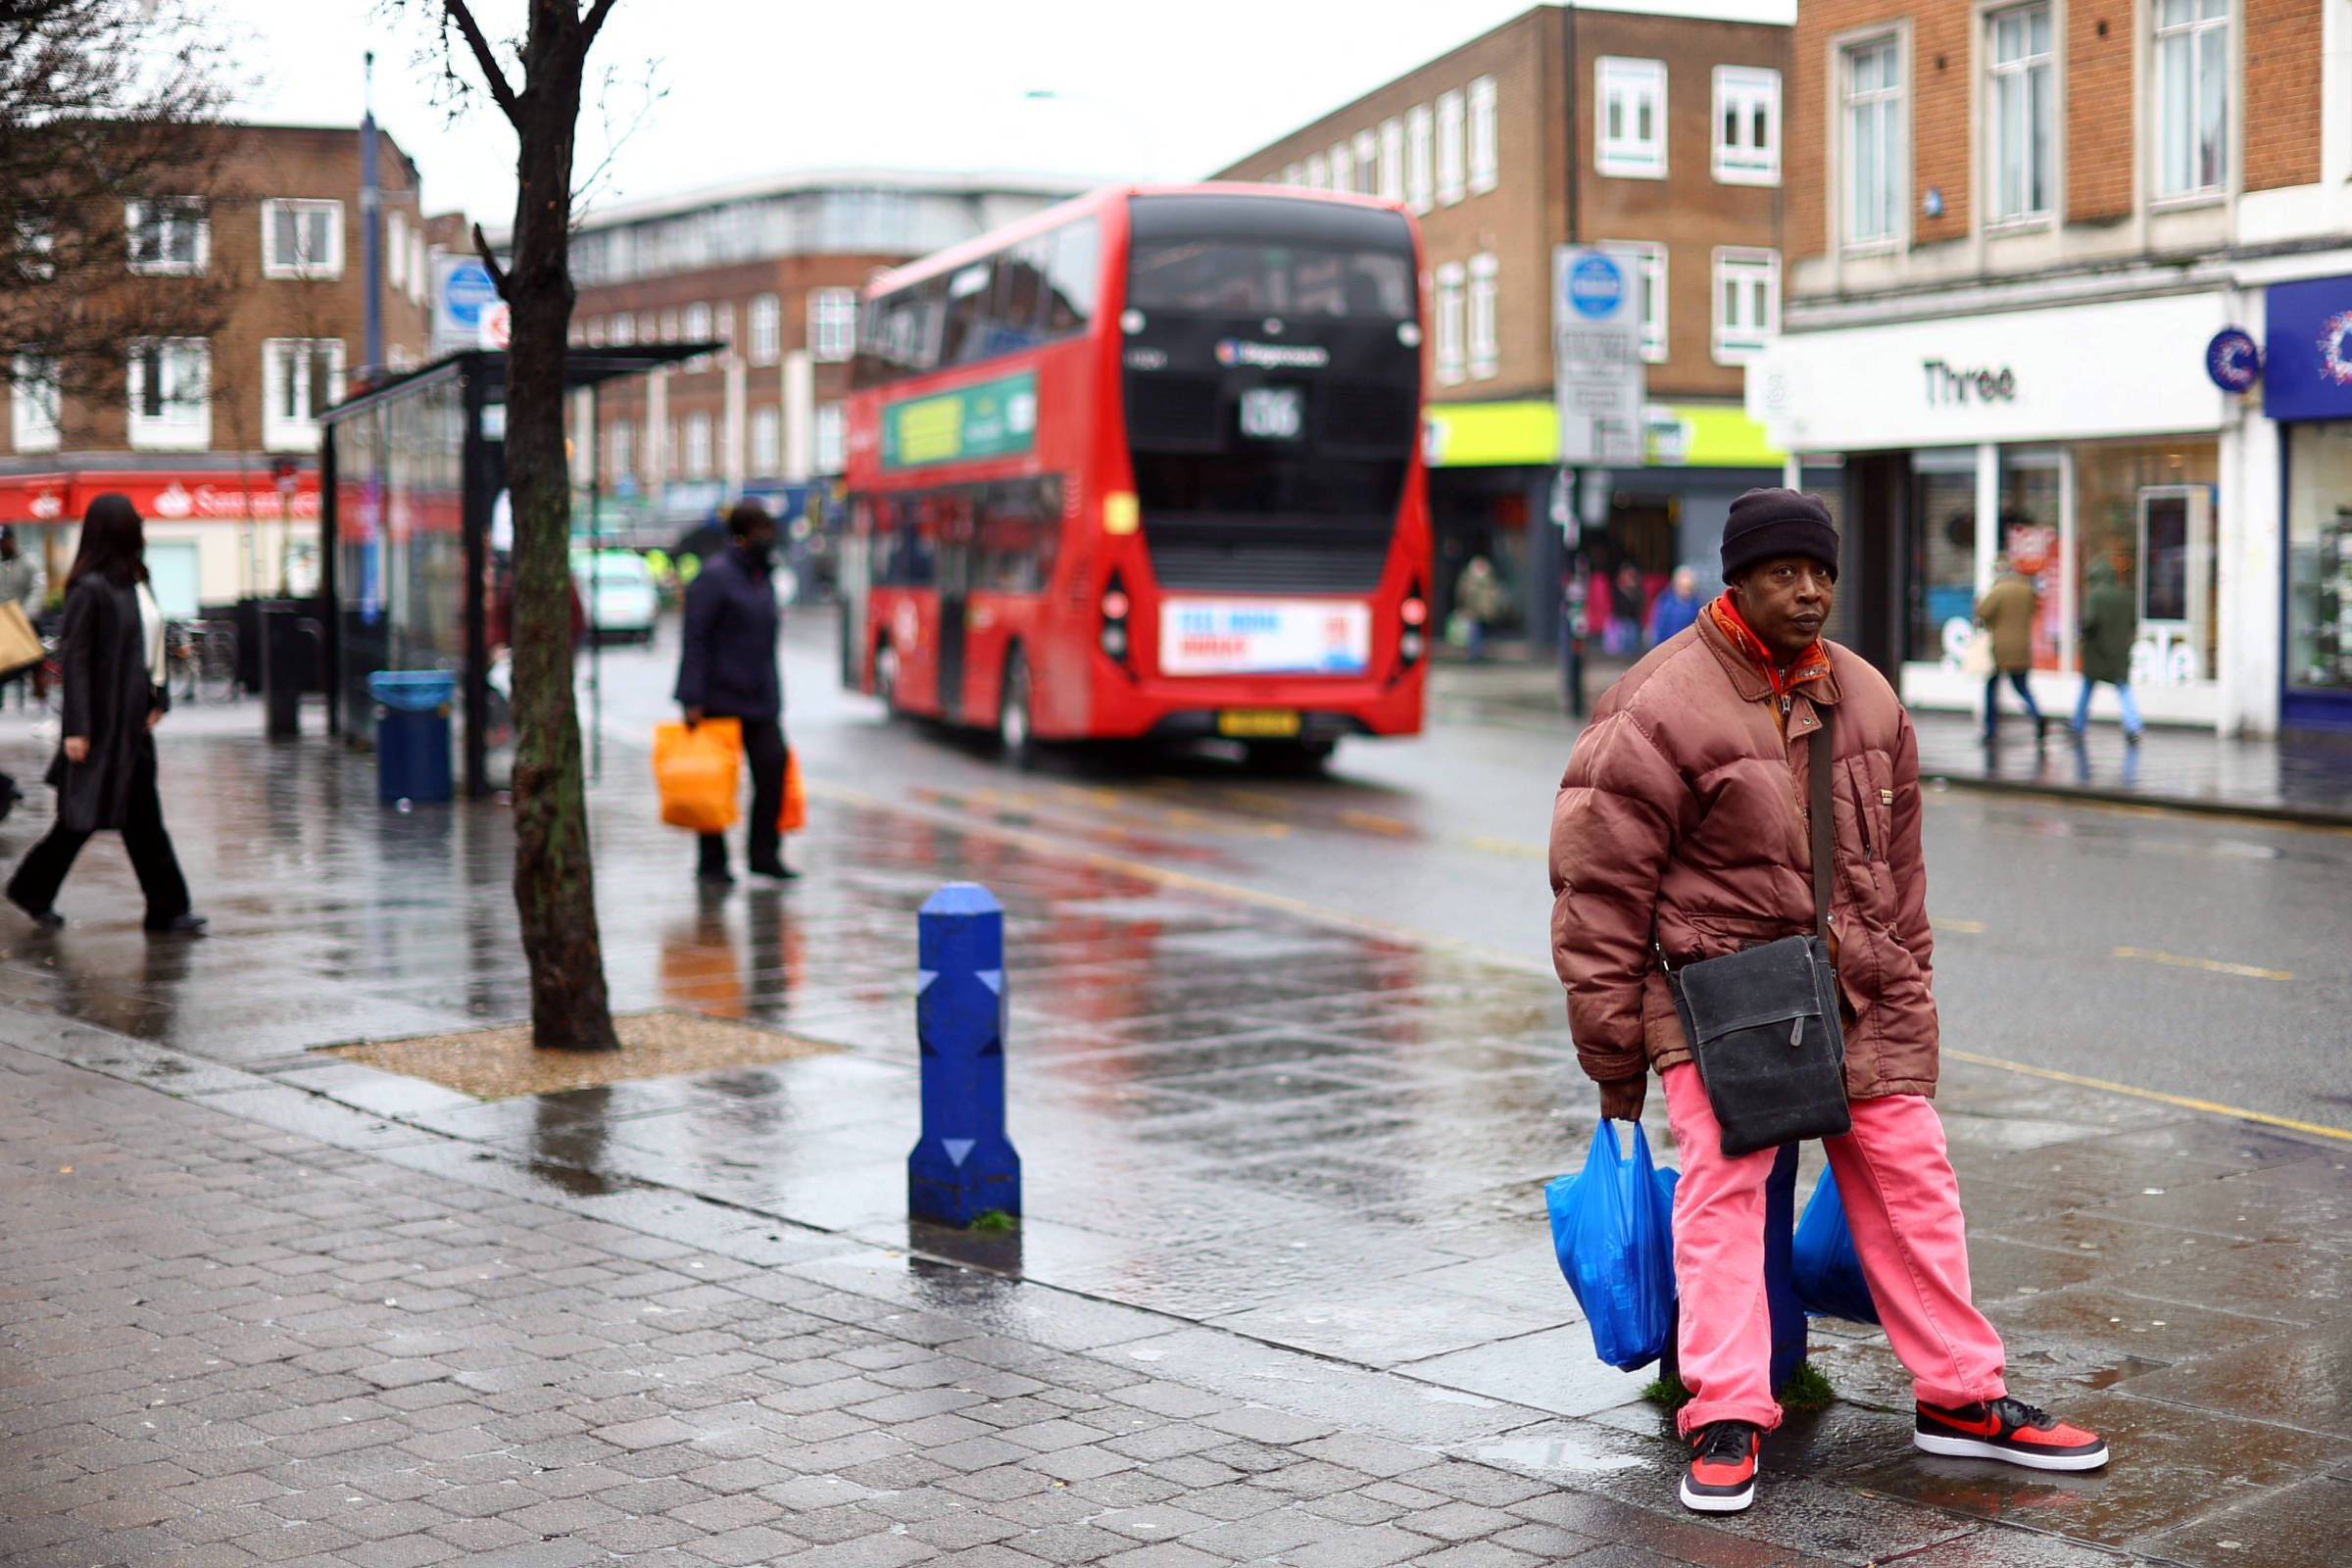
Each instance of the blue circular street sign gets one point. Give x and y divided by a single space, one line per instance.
2233 359
1596 286
468 288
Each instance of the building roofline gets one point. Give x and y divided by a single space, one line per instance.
957 182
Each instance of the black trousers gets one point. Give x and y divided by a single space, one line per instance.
765 754
35 884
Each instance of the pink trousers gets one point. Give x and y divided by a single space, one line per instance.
1903 1205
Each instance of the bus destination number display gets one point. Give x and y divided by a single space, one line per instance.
1265 637
1273 413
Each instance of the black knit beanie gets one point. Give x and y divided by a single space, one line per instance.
1766 524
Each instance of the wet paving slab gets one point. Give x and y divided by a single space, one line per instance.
1306 1158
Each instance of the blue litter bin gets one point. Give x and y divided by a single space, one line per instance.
412 733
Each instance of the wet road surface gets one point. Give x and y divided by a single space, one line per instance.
1313 1146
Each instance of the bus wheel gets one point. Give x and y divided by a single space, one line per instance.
1014 729
886 676
1293 758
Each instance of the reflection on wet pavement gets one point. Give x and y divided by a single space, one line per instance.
1311 1137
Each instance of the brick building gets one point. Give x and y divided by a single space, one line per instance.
772 271
2071 281
1565 126
199 422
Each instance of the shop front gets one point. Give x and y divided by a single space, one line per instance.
213 537
1493 468
2065 444
2307 384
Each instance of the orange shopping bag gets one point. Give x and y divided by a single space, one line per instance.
794 816
697 771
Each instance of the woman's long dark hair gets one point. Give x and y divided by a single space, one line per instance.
114 543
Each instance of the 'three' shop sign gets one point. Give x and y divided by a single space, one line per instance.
1949 386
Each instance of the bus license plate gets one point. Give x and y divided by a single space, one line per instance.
1258 723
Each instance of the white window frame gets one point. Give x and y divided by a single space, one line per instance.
1622 87
1420 158
186 422
764 321
396 253
2003 121
1342 164
1486 137
1451 133
1890 106
767 440
1482 335
328 266
624 330
420 268
2192 35
1741 94
190 210
596 332
1752 276
35 407
832 324
1391 159
1294 174
828 432
1318 172
620 448
1449 309
287 365
1367 162
698 458
1649 268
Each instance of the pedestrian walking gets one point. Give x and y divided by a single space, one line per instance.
2007 612
727 669
1675 609
1678 836
2110 624
1575 584
1621 637
24 584
111 656
1477 594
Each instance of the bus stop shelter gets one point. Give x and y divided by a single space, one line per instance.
412 473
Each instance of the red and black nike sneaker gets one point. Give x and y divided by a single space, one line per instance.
2011 1431
1721 1477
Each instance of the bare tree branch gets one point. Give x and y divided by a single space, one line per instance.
494 76
594 22
584 190
489 259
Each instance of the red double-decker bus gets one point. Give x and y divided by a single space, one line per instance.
1147 464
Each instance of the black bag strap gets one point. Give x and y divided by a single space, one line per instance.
1822 823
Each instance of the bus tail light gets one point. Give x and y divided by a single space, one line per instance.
1411 640
1115 607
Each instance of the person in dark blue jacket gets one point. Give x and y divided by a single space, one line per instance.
1676 607
727 669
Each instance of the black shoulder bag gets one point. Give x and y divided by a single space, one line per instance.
1763 1023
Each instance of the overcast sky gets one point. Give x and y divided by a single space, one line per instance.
1162 90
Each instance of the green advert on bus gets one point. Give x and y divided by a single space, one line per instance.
988 420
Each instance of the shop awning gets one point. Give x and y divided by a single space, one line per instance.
1526 433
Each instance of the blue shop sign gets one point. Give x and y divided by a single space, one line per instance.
2307 362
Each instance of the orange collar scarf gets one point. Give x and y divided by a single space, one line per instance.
1811 664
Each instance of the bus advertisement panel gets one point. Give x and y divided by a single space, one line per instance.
1147 464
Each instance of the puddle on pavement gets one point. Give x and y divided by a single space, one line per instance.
1557 1453
2131 1366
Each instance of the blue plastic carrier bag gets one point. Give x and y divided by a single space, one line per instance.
1612 1225
1824 1266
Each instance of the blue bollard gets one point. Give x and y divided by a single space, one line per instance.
1780 1286
963 1165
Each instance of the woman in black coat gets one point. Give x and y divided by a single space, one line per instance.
110 655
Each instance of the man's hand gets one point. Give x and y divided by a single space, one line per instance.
155 716
1622 1099
694 716
78 747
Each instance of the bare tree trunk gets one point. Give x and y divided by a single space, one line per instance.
555 880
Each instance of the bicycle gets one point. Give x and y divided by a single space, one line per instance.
202 660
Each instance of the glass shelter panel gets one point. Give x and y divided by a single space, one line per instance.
1944 554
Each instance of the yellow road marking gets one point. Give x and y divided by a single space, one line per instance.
1372 823
1510 847
1971 927
1513 961
2215 1106
2210 966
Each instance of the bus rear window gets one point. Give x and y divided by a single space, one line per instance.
1253 278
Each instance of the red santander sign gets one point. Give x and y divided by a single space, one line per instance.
161 497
